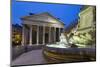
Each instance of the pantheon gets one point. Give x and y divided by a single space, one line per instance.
41 29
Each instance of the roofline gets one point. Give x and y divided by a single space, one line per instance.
42 13
55 18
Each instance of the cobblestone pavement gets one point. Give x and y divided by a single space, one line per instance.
32 57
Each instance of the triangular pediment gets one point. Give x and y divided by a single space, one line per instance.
44 17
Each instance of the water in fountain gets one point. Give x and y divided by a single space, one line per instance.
62 44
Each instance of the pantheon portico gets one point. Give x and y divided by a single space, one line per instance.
41 29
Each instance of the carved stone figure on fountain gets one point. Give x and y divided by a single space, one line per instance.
64 41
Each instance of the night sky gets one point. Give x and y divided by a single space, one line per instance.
67 13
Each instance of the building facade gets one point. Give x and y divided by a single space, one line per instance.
41 29
86 19
16 34
85 31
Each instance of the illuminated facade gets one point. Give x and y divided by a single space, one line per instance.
41 29
85 32
86 20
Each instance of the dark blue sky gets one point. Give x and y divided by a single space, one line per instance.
67 13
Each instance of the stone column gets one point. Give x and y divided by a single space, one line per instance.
30 40
23 36
43 35
49 34
37 35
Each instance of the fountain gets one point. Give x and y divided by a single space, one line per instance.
62 44
63 51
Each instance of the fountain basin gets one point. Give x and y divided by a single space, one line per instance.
64 54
